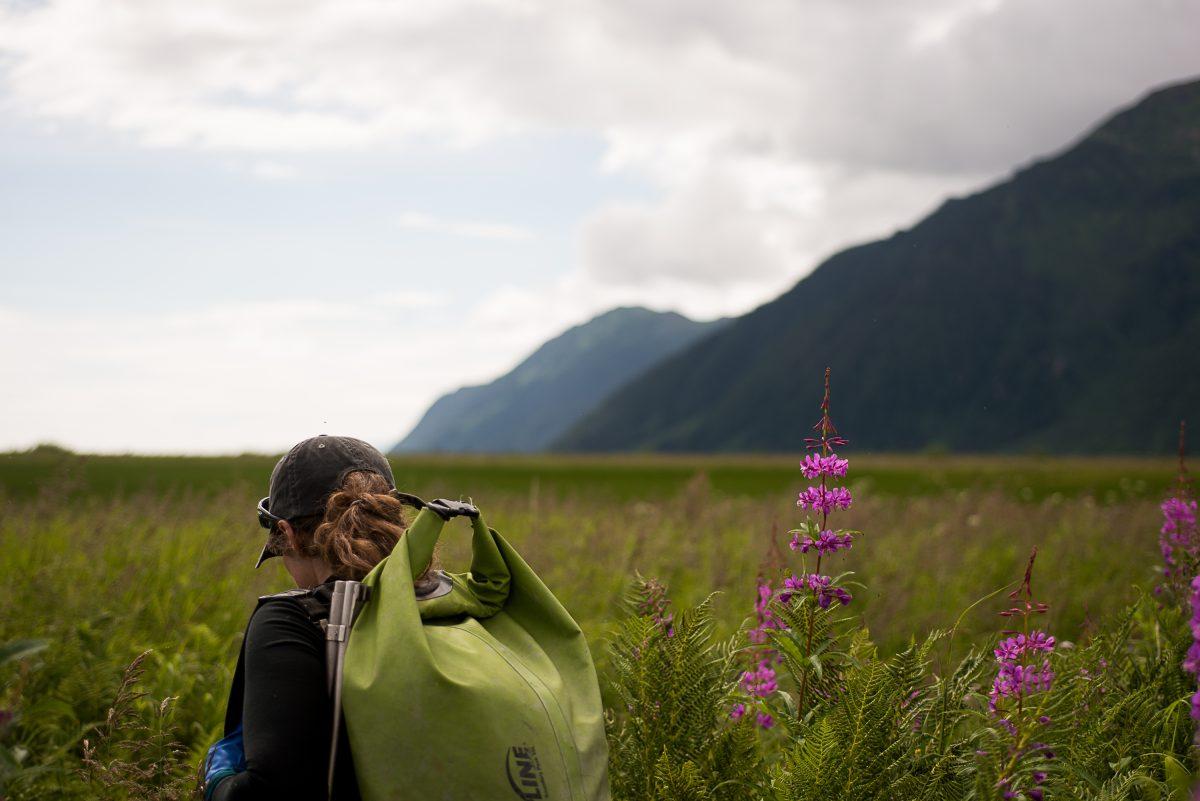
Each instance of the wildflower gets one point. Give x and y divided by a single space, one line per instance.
816 465
760 682
826 542
737 712
1179 539
1179 515
1012 648
824 500
1191 662
820 499
1023 670
767 619
820 587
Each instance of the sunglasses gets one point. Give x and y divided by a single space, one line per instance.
265 518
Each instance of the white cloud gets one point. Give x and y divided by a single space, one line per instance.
747 117
243 376
472 229
274 171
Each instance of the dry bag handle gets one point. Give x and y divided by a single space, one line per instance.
443 508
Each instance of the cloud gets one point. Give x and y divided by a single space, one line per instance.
274 171
760 125
472 229
229 377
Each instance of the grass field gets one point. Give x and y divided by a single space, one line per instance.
108 556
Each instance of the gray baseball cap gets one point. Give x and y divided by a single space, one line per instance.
305 477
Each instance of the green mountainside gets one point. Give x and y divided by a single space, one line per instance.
527 408
1056 311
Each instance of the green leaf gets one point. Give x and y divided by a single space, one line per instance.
1178 777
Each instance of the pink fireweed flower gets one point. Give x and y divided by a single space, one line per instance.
737 712
767 619
1178 532
824 500
761 681
820 587
1191 662
1011 649
1019 681
816 465
826 542
1179 515
1023 670
764 720
1179 539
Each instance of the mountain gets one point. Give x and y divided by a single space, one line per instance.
1056 311
526 409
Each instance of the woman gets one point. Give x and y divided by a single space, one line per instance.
332 514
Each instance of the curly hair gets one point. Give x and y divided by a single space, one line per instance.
360 526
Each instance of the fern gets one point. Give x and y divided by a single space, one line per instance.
672 736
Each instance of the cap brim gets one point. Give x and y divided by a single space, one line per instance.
266 554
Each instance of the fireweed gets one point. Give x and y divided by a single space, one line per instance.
1017 697
1180 546
814 536
1178 538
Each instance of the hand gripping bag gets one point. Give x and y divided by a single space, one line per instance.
484 692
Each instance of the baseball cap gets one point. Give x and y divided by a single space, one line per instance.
305 477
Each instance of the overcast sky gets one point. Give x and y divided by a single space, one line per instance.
228 225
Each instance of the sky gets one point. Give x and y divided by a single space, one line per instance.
230 225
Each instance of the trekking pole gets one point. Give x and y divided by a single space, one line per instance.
342 608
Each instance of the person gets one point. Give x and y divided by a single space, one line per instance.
332 513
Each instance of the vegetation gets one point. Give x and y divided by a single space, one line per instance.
106 558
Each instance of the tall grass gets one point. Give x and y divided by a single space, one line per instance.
105 575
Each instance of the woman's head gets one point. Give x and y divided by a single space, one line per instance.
360 525
331 510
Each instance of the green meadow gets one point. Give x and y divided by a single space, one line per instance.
106 557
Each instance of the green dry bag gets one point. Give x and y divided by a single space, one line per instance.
483 692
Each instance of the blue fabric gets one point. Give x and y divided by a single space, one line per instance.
226 758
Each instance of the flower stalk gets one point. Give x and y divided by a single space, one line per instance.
1017 698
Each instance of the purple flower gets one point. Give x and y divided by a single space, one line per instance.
1179 540
826 542
820 588
764 720
1179 515
760 682
1012 648
1191 662
737 712
824 499
767 619
816 465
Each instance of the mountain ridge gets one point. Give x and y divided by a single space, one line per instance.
527 407
1046 311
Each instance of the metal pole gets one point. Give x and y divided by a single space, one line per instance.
346 595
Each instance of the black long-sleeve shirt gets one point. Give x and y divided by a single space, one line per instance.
285 709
